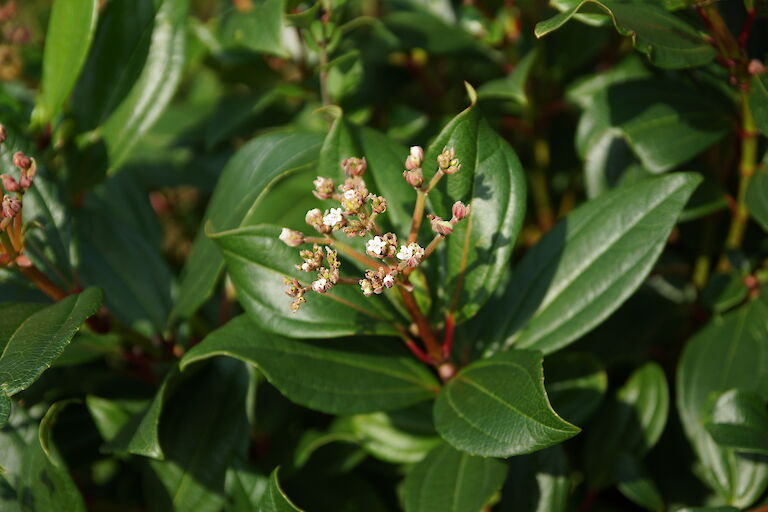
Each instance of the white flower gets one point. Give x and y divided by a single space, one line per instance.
350 194
365 285
389 280
321 285
333 217
376 245
412 254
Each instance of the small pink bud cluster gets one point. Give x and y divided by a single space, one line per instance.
13 191
326 265
447 161
413 173
445 227
377 280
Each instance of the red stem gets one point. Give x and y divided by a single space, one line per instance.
746 29
448 338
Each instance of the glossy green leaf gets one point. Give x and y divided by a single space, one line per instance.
452 480
630 424
352 375
730 352
200 442
399 437
757 198
498 407
512 86
758 102
154 87
70 32
5 409
575 383
12 315
537 482
274 499
491 182
245 488
246 178
42 338
665 123
260 28
589 264
634 483
257 262
740 421
667 41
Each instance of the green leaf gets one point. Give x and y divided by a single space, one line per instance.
537 482
12 315
42 338
259 29
512 86
491 181
730 352
398 437
257 262
630 424
200 447
636 485
274 499
740 421
757 198
575 383
758 102
5 410
667 41
497 407
589 264
70 32
154 86
665 123
248 176
341 376
245 488
452 480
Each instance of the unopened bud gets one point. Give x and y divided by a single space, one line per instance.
459 211
21 160
28 175
378 204
414 177
291 238
354 166
11 206
415 159
445 158
314 218
440 226
323 188
3 134
9 184
453 167
755 67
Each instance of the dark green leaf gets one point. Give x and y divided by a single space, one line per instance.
200 442
589 264
758 102
12 315
668 41
757 198
636 485
245 179
575 383
42 338
258 262
630 424
740 420
154 87
452 480
260 28
498 407
512 86
730 352
245 488
537 482
334 376
491 182
274 499
70 32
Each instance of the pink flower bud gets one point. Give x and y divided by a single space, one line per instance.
440 226
414 177
378 204
291 238
21 160
445 158
354 166
9 184
28 175
314 218
453 167
11 206
415 159
755 67
459 211
323 188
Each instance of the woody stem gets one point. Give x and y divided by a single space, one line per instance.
425 331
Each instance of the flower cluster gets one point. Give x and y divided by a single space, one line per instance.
13 189
391 261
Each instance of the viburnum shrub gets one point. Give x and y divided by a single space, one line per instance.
367 255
